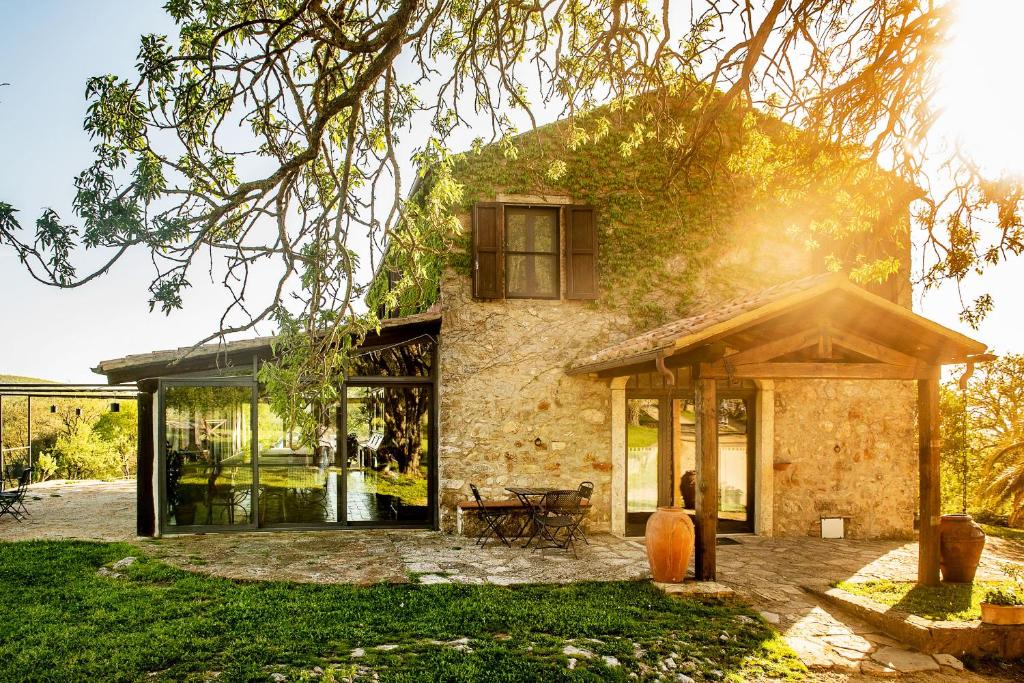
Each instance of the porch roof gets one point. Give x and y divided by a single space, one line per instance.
210 356
779 312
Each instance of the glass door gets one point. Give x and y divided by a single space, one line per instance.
387 463
299 477
207 435
648 474
735 460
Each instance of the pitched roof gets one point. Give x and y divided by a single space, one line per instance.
731 317
254 346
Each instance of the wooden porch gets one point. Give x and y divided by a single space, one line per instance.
817 328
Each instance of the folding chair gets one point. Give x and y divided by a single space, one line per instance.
492 518
586 490
558 517
13 502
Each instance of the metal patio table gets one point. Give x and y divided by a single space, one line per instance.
531 498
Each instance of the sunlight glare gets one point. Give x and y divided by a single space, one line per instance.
981 89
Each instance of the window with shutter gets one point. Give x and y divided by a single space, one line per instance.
581 253
531 253
487 282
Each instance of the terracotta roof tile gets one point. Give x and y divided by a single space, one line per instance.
665 336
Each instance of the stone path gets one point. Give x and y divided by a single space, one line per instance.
768 573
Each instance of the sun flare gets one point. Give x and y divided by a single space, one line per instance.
981 87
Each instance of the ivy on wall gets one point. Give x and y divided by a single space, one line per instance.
667 226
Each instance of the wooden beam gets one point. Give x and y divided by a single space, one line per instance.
929 449
706 412
724 370
872 349
777 347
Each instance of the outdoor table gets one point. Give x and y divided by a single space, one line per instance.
530 497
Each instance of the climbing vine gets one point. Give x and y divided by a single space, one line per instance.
758 181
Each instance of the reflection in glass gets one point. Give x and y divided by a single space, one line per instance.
732 460
405 360
299 483
208 450
531 252
642 455
733 455
388 454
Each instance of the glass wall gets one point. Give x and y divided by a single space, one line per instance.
208 470
388 454
230 460
299 481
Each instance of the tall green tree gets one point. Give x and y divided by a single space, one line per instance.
267 134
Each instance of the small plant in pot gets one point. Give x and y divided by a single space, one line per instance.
1005 605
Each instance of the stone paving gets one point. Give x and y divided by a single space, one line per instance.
768 573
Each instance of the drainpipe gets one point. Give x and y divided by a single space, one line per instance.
659 362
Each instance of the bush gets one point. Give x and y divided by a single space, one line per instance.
46 466
83 454
1009 596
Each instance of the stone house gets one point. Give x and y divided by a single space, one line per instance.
598 324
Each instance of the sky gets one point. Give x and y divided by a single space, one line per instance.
47 51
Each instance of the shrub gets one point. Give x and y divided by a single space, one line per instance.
1009 596
82 454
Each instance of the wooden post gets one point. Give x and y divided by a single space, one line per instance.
929 447
706 412
145 521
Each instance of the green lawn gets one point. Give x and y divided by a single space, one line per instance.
947 602
65 622
1004 532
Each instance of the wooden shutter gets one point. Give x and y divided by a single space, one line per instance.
581 253
487 276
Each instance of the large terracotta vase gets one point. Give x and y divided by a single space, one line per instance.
960 544
669 538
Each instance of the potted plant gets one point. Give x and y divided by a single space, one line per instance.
1005 605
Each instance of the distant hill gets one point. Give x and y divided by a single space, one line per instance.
18 379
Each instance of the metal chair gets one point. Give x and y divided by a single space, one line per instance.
493 519
558 518
13 502
586 490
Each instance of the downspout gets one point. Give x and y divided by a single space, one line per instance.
663 370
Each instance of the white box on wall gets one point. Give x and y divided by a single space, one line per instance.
833 527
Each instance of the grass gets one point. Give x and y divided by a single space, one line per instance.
1004 532
64 621
947 602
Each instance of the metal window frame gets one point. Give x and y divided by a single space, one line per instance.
239 381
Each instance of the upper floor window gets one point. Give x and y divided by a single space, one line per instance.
517 252
531 252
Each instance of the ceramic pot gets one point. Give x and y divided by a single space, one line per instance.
960 544
688 489
1002 614
669 539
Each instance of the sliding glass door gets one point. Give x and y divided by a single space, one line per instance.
661 458
388 463
231 459
207 464
299 477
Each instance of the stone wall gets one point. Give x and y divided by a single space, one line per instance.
509 415
852 449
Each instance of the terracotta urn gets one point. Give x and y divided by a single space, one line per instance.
960 544
688 489
1002 614
669 538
